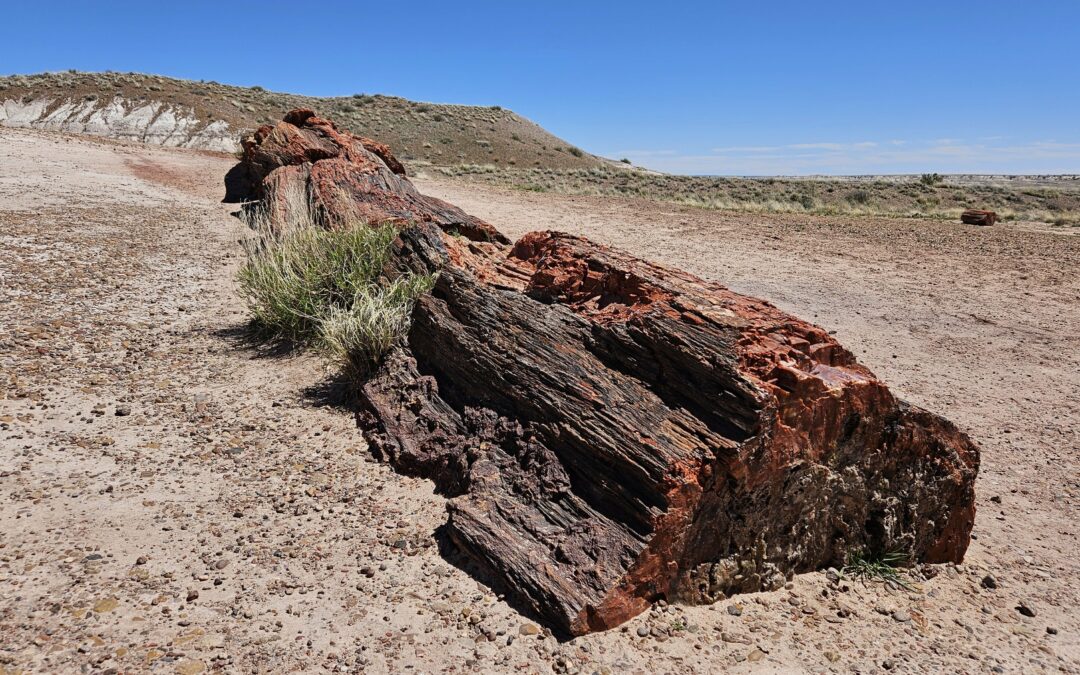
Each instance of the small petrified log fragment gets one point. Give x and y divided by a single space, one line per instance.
609 431
977 217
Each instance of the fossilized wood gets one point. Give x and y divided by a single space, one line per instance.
609 431
614 432
347 178
977 217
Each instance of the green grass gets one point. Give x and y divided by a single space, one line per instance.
324 288
884 566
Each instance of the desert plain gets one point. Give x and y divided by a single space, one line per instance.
177 498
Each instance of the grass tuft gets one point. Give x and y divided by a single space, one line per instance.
359 335
324 288
884 566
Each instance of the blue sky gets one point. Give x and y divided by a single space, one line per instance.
767 87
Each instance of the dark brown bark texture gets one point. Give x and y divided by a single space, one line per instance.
609 431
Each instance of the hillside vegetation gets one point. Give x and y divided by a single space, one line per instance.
1051 199
438 134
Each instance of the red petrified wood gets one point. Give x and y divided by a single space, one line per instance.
977 217
306 159
609 431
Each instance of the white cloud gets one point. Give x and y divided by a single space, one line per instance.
748 148
817 146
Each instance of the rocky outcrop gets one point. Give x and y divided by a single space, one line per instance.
609 431
151 122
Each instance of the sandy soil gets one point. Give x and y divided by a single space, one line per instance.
175 500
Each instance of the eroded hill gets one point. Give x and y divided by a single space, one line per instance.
208 115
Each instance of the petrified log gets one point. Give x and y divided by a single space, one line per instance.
977 217
609 431
345 178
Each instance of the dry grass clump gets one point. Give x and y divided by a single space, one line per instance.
358 335
325 288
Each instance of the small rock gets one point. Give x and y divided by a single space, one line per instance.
123 410
643 631
1026 609
734 610
141 560
755 655
989 582
221 564
106 605
735 639
901 615
529 629
1050 630
190 667
192 595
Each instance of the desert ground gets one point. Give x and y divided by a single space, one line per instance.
175 498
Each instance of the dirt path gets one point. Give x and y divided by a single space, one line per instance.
176 501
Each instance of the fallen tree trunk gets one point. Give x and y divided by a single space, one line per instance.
610 432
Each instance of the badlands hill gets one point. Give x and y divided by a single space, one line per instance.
212 116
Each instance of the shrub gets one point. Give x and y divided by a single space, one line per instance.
859 197
313 286
576 152
931 179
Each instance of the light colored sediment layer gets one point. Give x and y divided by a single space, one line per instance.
153 122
